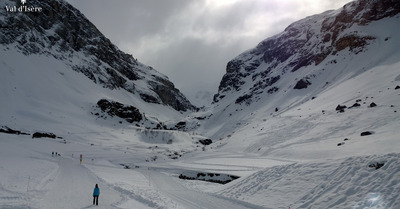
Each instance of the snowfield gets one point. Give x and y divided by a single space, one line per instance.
32 178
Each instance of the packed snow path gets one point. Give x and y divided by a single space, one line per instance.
72 186
192 199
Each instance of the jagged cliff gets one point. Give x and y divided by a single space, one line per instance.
309 44
60 31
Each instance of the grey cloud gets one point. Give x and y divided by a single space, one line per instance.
191 41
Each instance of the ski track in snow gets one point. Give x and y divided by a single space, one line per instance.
71 186
32 178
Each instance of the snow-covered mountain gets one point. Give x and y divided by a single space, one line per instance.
306 119
301 67
49 51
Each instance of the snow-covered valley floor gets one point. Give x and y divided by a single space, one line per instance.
30 177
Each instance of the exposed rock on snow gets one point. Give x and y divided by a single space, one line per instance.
366 133
43 135
302 84
129 113
7 130
341 108
210 177
355 105
376 165
205 141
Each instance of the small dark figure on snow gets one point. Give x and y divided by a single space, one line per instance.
96 193
52 154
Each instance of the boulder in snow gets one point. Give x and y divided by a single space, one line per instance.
366 133
302 84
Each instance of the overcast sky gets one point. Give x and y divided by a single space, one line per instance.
191 41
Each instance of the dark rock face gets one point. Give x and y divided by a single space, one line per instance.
129 113
210 177
245 98
340 144
205 141
372 104
7 130
180 125
341 108
167 93
376 165
301 45
62 32
302 84
43 135
149 98
353 42
355 105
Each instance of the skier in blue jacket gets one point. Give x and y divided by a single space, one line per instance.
96 193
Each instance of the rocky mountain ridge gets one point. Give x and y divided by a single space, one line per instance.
299 67
311 42
62 32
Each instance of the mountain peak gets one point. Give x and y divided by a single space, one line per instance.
304 43
62 32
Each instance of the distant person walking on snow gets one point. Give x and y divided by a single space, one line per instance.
96 193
